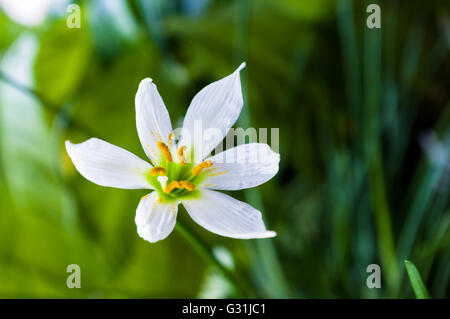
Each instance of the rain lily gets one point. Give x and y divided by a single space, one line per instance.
182 172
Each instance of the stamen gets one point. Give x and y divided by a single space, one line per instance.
169 188
188 185
180 152
171 137
165 150
177 184
198 169
158 170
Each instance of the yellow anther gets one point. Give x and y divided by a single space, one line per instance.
198 169
158 170
180 152
172 186
160 200
177 184
171 137
188 185
165 150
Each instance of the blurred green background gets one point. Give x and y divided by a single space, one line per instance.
364 122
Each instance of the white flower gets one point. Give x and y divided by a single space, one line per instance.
175 177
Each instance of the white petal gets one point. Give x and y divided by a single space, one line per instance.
108 165
152 118
215 108
226 216
244 166
155 220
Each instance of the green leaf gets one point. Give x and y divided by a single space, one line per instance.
61 62
416 281
10 31
27 154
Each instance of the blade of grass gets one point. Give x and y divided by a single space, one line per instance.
263 252
351 67
371 123
340 206
364 243
429 182
442 276
405 112
433 247
416 281
426 182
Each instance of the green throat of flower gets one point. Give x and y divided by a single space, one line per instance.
175 179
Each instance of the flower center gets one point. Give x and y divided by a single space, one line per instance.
176 179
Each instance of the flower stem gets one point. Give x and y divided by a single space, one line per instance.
206 253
